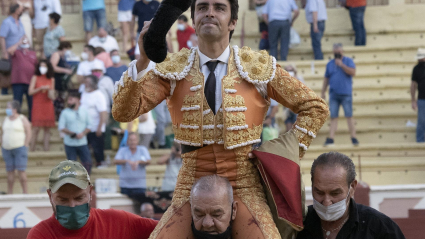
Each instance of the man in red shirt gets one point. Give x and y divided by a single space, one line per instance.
184 31
69 192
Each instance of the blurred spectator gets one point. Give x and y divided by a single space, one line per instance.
278 16
147 211
74 123
61 69
94 101
104 40
292 117
147 128
174 163
143 10
184 31
24 61
42 9
357 9
339 76
315 13
418 83
134 158
42 88
125 8
84 68
162 118
16 135
271 113
105 84
263 28
54 35
116 70
93 10
193 41
101 54
12 34
26 18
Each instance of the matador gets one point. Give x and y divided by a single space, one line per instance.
218 96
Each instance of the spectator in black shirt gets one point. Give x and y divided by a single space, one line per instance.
418 83
144 10
335 214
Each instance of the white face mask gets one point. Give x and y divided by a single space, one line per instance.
291 73
181 27
189 44
84 56
25 46
116 59
43 70
332 212
102 39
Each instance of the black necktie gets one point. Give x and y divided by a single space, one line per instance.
209 89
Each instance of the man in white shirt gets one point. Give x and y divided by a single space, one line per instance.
104 40
315 13
105 84
42 9
85 67
94 101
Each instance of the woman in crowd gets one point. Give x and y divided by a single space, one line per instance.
26 17
42 88
54 35
16 134
61 69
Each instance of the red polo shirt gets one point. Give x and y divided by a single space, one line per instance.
183 36
102 224
23 66
356 3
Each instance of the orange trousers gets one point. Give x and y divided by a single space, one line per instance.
253 218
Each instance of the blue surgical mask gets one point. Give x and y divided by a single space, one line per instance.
102 39
9 112
116 59
73 218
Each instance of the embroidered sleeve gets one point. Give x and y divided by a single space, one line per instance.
311 109
135 97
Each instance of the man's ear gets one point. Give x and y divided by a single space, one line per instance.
353 186
49 192
235 209
232 24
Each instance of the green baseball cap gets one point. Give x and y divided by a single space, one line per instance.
71 172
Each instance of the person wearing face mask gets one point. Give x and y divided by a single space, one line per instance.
334 213
74 123
184 31
213 208
42 88
70 194
104 40
193 41
116 70
16 135
339 76
86 65
105 57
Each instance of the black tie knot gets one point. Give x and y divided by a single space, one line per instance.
212 65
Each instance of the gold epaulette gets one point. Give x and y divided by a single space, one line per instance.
176 65
257 67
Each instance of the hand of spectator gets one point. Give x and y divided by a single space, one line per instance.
134 165
316 29
68 71
80 136
338 62
98 133
415 105
44 87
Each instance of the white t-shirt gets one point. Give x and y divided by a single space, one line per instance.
147 127
109 45
106 86
85 67
41 17
94 102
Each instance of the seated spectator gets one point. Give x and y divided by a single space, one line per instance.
184 31
101 54
147 211
104 40
174 163
212 207
74 123
147 128
42 9
16 135
12 35
116 70
133 159
94 101
292 117
334 213
24 62
42 88
93 10
85 66
54 35
70 193
61 69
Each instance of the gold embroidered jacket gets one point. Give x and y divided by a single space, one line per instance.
253 77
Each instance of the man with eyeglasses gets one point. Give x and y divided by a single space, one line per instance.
74 123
